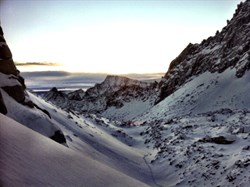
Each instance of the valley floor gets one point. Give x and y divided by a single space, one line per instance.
203 149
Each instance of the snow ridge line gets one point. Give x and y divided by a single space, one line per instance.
151 171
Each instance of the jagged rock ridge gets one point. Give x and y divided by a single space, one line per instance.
229 48
8 67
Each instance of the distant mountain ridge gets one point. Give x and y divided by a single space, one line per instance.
113 93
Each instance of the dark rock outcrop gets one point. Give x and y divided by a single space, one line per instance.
16 92
76 95
7 65
58 137
56 95
218 139
3 108
43 110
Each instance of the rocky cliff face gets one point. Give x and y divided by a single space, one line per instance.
112 84
15 101
117 89
229 48
8 67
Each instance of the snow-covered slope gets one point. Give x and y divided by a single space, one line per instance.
29 159
113 143
30 117
201 132
207 92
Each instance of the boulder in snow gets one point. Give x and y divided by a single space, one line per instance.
220 139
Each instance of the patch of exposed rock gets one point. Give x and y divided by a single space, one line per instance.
3 108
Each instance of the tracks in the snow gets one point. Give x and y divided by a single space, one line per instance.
151 171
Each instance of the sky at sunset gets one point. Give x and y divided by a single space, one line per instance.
108 36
